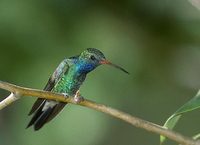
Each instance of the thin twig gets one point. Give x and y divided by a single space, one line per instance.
137 122
10 99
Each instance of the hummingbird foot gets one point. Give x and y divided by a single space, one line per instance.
65 95
78 98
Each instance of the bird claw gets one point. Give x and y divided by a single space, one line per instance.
78 98
65 95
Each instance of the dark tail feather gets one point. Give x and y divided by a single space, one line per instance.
43 118
40 118
36 105
56 110
36 116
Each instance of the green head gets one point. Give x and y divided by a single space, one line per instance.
92 57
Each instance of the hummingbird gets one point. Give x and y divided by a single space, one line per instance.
66 79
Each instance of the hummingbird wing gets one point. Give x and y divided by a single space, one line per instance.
42 116
60 70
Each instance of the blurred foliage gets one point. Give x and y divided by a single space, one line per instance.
156 41
191 105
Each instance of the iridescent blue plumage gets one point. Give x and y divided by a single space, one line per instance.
67 78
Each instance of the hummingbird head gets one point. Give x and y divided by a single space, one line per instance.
92 57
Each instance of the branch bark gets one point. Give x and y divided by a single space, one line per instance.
17 92
10 99
195 3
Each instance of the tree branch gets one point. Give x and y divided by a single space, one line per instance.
195 3
17 91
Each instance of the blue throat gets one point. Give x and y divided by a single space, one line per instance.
85 67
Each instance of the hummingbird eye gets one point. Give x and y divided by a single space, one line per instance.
92 57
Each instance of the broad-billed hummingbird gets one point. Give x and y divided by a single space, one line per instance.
66 79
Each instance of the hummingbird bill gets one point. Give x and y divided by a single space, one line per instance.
66 79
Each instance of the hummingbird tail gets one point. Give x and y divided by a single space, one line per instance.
42 117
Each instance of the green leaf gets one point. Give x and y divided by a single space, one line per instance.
169 124
193 104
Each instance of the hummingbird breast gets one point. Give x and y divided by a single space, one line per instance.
70 82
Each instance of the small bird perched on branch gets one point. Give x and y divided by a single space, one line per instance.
66 79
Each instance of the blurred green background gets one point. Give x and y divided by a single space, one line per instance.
157 41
